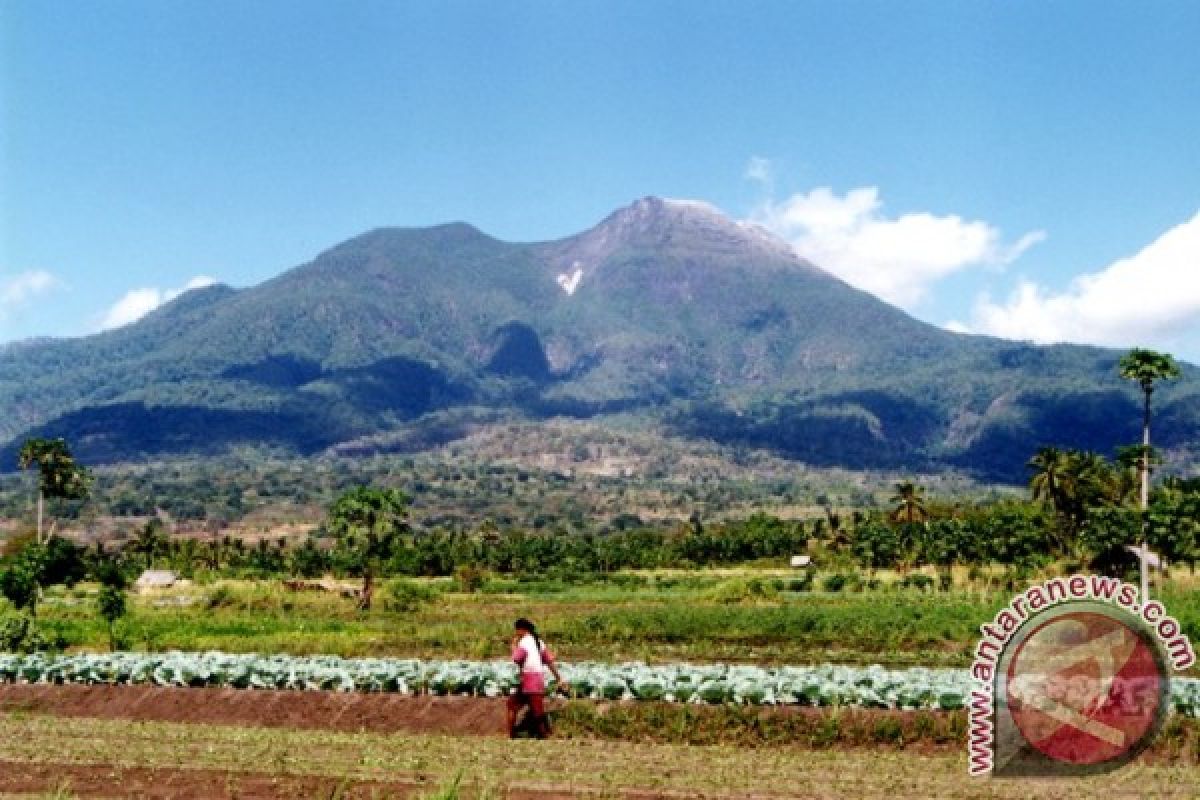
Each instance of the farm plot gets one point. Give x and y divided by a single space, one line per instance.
72 757
825 685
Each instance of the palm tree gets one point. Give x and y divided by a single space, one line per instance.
60 476
151 541
909 501
1054 485
1095 483
1051 484
1146 367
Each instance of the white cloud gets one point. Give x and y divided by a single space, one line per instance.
24 286
956 327
1152 297
137 303
897 258
758 169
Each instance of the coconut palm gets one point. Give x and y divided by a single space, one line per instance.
59 475
909 503
1146 367
1094 481
1054 485
1050 482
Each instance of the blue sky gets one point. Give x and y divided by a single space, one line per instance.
1025 168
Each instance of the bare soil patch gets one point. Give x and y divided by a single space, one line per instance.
336 711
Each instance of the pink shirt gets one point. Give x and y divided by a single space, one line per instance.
530 657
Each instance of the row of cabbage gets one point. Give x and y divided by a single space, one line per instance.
824 685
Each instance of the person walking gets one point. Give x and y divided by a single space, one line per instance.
532 658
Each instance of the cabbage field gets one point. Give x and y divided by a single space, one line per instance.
824 685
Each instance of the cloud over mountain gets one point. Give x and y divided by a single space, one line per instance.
1151 297
897 258
137 303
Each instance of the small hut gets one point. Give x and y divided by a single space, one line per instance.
156 579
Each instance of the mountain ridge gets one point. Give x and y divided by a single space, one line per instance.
665 308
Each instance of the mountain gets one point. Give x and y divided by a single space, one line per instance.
667 310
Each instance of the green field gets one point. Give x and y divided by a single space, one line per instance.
700 616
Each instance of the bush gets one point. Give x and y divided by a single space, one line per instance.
20 634
802 584
917 581
470 578
221 596
743 590
834 583
408 595
111 605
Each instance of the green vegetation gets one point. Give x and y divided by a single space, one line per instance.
654 617
293 759
367 524
59 476
400 340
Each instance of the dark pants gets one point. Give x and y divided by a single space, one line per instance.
537 708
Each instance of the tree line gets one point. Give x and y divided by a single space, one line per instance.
1082 509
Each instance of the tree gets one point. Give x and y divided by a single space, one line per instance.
1146 367
1051 481
34 565
150 542
1072 484
368 524
909 503
111 601
875 544
21 581
60 476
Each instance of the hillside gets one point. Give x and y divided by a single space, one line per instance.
701 326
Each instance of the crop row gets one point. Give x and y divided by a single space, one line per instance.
824 685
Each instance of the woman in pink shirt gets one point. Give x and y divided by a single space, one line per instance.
531 656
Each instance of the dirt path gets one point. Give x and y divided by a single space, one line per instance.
96 782
335 711
156 742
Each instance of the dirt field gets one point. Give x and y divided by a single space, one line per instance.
146 742
330 711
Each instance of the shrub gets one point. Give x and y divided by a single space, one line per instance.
834 583
20 634
221 596
917 581
802 584
743 590
408 595
470 578
888 730
110 603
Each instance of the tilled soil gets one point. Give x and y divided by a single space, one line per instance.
336 711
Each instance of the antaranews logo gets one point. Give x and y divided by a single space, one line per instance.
1072 677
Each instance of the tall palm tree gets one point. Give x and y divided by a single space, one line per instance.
1146 367
909 503
59 475
1052 482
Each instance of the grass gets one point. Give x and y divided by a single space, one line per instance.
695 616
496 765
747 726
